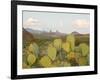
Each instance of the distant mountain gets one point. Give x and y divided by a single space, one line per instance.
77 33
38 34
33 31
27 36
45 34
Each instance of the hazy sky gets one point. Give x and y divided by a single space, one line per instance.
62 22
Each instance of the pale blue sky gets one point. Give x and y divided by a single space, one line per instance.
62 22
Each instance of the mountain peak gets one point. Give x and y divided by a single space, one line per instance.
75 33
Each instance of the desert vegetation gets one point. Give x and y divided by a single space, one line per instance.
57 51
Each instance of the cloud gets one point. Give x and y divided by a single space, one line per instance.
30 22
81 23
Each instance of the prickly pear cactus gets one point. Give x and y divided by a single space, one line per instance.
66 47
31 59
51 52
36 49
30 48
58 44
84 49
33 48
45 61
71 40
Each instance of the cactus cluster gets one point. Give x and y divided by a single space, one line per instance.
30 55
56 53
